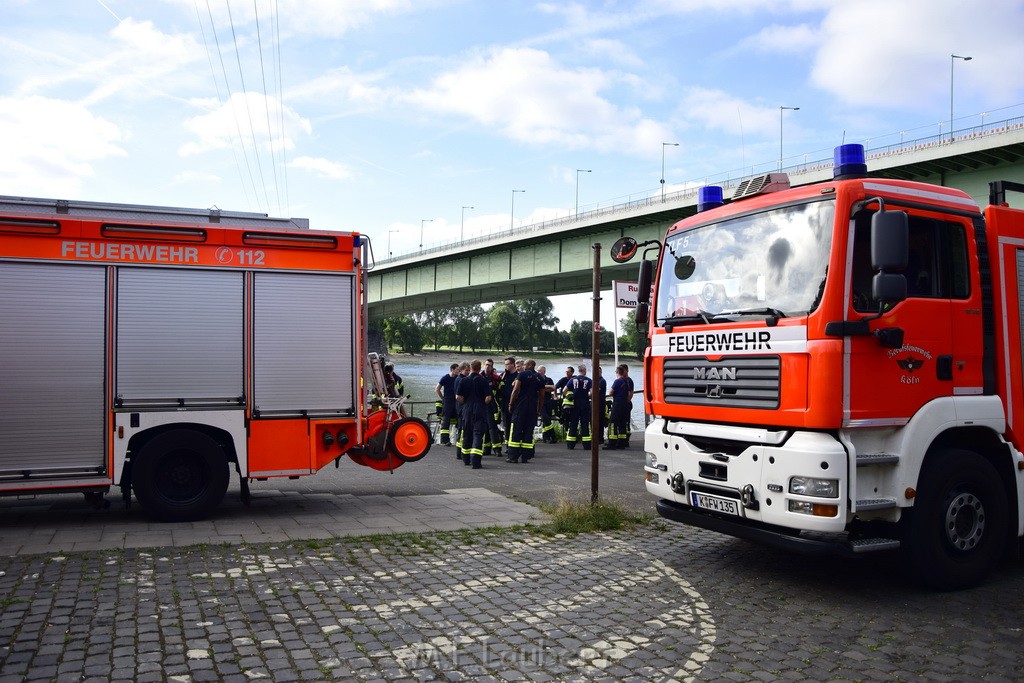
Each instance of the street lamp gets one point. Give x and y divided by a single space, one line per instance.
462 227
578 171
390 253
512 219
663 146
422 221
952 61
781 109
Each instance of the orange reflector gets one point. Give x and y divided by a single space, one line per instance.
825 510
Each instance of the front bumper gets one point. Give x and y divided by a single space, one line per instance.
753 467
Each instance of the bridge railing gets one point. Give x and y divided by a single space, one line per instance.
726 180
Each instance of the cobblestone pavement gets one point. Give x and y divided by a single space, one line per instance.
658 602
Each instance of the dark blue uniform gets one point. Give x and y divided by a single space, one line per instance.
475 392
579 415
523 414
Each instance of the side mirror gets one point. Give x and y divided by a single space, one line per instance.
624 249
890 241
643 295
643 314
889 288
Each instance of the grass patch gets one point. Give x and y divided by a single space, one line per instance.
569 517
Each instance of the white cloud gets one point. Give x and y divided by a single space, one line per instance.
137 60
323 168
240 120
50 145
531 98
904 61
784 39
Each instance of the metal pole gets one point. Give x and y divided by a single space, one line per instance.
422 221
595 363
952 61
462 227
781 109
663 146
578 171
512 218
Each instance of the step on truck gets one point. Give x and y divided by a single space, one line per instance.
156 349
837 368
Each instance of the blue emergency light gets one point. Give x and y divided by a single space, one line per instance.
709 197
848 161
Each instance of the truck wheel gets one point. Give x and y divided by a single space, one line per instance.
409 439
956 531
180 476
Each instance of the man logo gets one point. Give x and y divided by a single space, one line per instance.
715 391
720 374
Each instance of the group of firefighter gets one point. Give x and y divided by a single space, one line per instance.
482 411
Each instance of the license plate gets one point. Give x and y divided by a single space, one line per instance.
725 506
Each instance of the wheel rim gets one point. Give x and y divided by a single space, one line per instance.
410 440
965 521
182 476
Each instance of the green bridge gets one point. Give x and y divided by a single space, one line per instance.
557 257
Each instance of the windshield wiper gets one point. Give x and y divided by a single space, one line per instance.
764 310
688 319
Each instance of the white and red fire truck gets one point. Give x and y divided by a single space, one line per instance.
154 348
837 367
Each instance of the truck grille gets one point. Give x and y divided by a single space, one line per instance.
747 382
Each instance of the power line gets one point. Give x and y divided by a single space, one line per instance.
266 106
248 109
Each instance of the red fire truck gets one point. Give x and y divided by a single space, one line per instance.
837 367
154 348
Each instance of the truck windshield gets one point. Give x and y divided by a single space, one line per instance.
769 264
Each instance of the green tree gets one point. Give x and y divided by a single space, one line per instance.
632 339
402 331
435 326
581 336
504 326
467 326
537 315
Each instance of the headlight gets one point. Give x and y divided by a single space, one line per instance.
819 488
652 460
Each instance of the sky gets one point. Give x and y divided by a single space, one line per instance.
420 121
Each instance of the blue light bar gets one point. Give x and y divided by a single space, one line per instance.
848 161
709 197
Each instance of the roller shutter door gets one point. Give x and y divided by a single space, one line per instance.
179 337
51 368
304 344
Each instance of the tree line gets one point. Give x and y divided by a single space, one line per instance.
516 325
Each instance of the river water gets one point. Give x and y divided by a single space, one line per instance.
420 375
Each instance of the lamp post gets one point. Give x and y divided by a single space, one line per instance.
512 219
782 109
578 171
390 232
952 61
422 221
462 226
663 146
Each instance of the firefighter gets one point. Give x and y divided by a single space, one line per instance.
563 399
622 407
581 387
547 408
493 443
446 403
393 381
508 377
460 425
524 406
475 397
